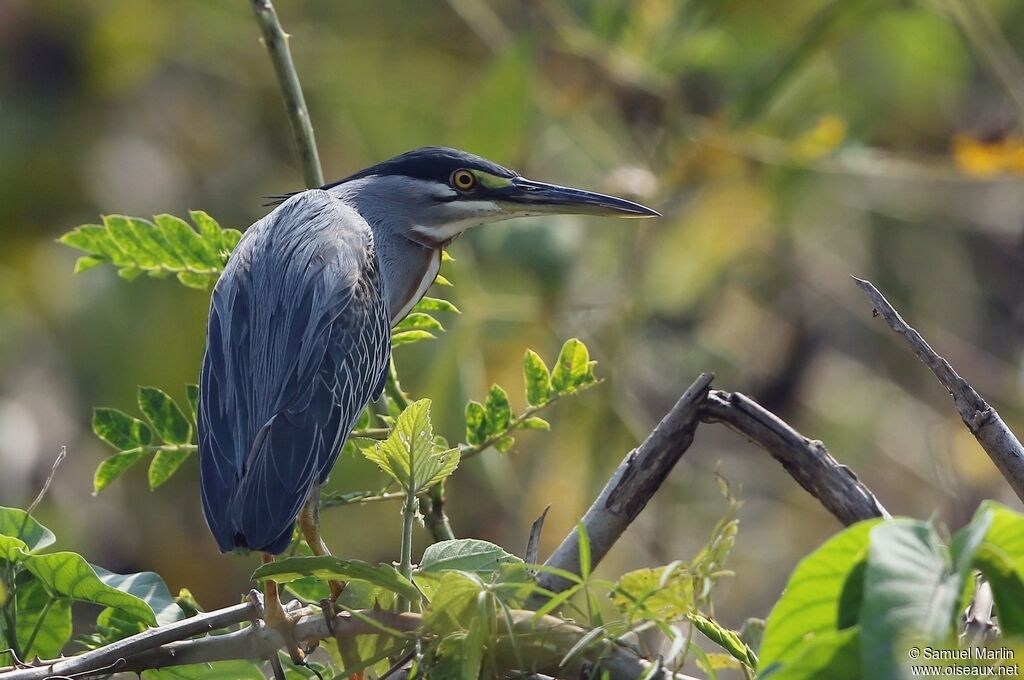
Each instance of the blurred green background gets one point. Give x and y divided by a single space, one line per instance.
789 144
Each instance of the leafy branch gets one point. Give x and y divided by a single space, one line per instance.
159 248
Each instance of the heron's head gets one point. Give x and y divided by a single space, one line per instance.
432 195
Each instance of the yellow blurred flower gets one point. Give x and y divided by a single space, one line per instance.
989 158
827 134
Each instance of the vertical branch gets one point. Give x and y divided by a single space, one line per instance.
276 41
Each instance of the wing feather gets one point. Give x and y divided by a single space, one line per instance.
298 341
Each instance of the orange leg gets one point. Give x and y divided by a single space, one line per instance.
277 618
309 523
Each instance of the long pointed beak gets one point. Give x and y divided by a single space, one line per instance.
538 198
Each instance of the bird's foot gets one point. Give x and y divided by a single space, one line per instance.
283 622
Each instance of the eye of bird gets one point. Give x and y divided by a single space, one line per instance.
463 180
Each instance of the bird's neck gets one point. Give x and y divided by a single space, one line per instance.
408 269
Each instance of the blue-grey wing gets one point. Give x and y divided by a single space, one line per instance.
298 341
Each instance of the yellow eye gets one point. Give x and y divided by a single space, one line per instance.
463 180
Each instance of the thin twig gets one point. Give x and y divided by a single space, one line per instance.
633 484
276 41
984 422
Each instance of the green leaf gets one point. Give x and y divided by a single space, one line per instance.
49 618
218 670
832 654
431 304
535 423
113 467
409 455
662 594
476 423
15 522
120 430
440 280
165 416
910 588
328 567
148 587
1007 588
504 444
809 605
499 413
467 554
189 248
408 337
67 574
197 281
129 273
537 379
573 368
1006 531
93 239
87 262
419 321
192 396
164 464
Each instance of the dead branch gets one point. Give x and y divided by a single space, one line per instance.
999 442
806 460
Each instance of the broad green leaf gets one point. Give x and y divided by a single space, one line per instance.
165 416
11 548
148 587
454 602
35 608
663 593
67 574
910 588
165 464
535 423
831 654
120 430
113 467
724 638
467 554
476 423
192 395
499 413
408 337
333 568
17 523
1007 584
573 368
419 321
1006 531
218 670
537 379
809 605
431 304
409 455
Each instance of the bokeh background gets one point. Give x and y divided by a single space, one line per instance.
789 144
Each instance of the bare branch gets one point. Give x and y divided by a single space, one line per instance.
105 657
632 485
543 640
1001 445
276 41
806 460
